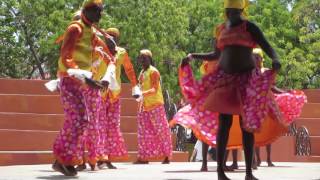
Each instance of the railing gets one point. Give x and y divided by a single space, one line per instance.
180 131
303 144
292 131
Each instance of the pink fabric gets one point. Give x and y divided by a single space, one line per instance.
256 99
291 104
81 109
203 123
154 136
253 89
111 136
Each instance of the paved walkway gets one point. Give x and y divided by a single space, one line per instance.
157 171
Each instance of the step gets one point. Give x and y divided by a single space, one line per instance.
50 122
313 95
27 86
311 110
282 150
24 86
308 159
32 140
315 145
46 157
312 124
50 104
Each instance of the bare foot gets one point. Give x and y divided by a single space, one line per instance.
234 166
66 170
141 162
166 161
101 164
81 167
250 177
222 176
228 168
204 168
254 165
110 166
93 167
270 164
258 162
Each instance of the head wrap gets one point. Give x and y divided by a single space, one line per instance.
259 52
146 52
89 3
113 32
238 4
77 15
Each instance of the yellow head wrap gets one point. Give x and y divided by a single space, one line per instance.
146 52
258 51
238 4
113 31
77 15
88 3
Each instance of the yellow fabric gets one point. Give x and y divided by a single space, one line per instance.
258 51
88 3
237 4
203 67
82 53
208 67
101 68
146 52
114 95
113 31
152 100
76 16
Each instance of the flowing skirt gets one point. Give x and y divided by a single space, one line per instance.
111 136
154 136
248 94
81 109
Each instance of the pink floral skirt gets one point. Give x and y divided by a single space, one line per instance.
112 140
247 94
80 129
154 136
291 104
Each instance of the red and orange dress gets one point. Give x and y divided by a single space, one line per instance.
246 94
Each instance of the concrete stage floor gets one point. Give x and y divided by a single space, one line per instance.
173 171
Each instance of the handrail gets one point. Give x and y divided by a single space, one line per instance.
303 144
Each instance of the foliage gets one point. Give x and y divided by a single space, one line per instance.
169 28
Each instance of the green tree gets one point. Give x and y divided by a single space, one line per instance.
28 30
281 29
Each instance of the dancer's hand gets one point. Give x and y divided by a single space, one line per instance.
136 96
93 84
276 65
185 61
105 84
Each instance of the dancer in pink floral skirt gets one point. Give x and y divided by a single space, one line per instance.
154 138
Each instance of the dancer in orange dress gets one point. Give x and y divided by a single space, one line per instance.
236 87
